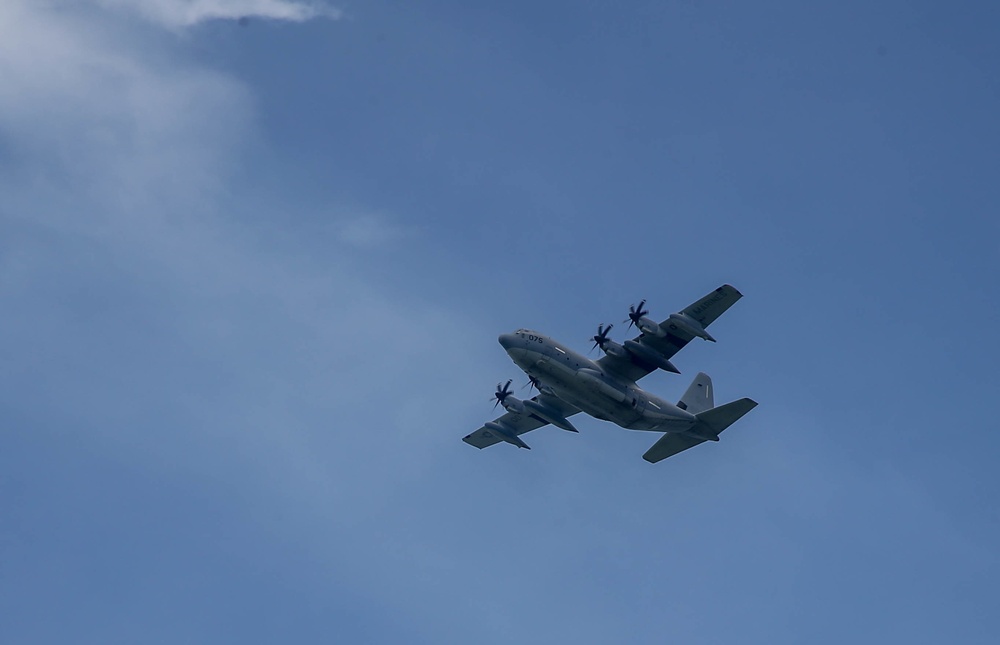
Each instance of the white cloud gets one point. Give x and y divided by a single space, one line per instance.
118 183
82 108
149 316
185 13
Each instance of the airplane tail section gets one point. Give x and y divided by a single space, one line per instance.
709 424
699 396
712 422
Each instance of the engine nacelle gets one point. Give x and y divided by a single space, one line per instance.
612 348
650 327
650 355
690 325
506 434
549 415
513 404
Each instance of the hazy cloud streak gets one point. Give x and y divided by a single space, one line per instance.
185 13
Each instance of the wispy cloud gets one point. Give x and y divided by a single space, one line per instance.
118 200
80 105
185 13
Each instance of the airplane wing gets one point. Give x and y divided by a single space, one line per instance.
705 311
519 423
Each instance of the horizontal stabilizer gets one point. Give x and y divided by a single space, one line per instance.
710 423
718 419
669 445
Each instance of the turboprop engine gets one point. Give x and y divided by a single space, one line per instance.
517 406
637 317
633 350
607 345
510 403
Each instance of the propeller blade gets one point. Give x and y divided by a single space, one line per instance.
601 337
502 392
635 313
533 382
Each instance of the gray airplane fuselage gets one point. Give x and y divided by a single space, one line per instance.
581 382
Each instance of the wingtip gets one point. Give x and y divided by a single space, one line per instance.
730 287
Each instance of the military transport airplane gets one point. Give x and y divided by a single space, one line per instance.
606 389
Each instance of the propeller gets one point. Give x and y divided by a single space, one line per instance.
502 393
636 313
533 382
601 337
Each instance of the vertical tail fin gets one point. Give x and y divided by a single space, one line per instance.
699 396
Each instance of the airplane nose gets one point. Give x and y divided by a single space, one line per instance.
507 340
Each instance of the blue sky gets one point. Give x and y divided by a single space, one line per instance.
252 275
